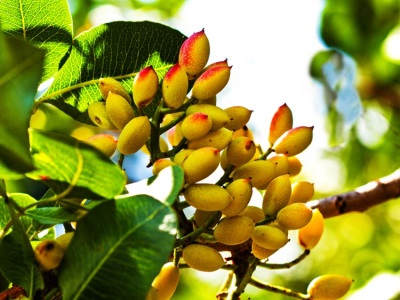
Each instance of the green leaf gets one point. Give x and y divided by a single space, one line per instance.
45 24
22 200
74 168
164 187
117 49
17 262
53 215
118 249
20 71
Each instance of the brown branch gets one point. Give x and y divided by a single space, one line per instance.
362 198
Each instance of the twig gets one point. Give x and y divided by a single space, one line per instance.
277 289
362 198
241 285
288 264
196 233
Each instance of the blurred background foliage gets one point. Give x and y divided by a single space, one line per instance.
359 73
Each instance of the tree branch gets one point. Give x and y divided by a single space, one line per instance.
362 198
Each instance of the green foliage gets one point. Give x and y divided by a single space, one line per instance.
20 73
360 79
17 259
120 255
52 31
111 50
81 9
74 167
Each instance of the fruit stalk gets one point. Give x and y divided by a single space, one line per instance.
187 239
277 289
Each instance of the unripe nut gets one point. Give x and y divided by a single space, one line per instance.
294 141
241 191
104 142
166 281
49 254
202 258
175 87
294 216
276 195
211 82
119 110
309 235
240 151
200 164
207 196
281 122
217 115
134 135
234 230
238 116
109 84
98 114
218 139
196 125
194 53
144 87
269 237
329 287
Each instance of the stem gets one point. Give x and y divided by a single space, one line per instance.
182 205
242 282
183 108
155 134
185 225
362 198
288 264
121 160
226 286
265 221
277 289
265 155
196 233
172 123
174 150
225 177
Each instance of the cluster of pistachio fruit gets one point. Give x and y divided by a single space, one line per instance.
202 137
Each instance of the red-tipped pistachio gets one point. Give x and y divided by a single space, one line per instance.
196 125
294 141
219 139
144 87
218 116
194 53
175 86
281 122
211 82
